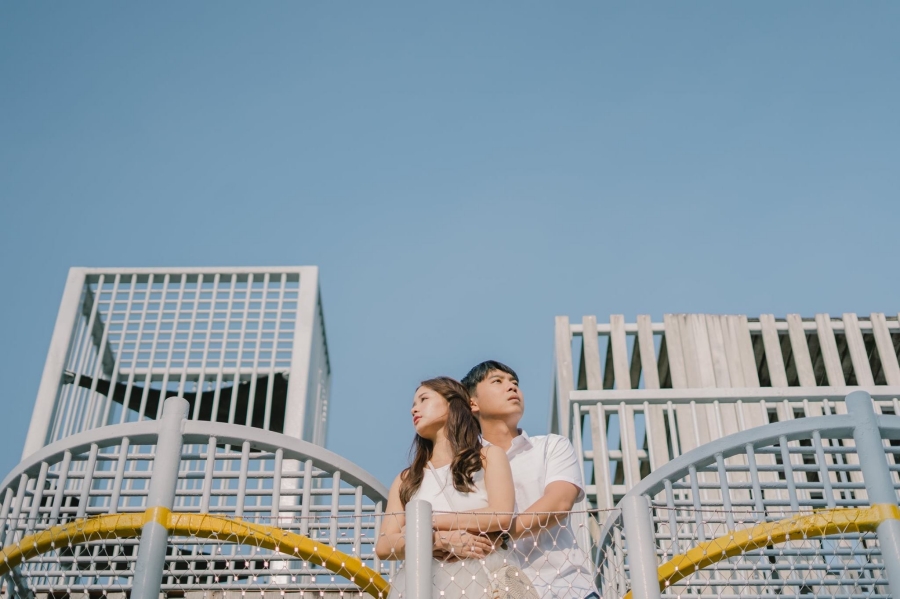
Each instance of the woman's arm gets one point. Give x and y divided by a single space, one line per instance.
391 542
497 516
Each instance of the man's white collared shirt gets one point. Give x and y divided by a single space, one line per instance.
553 561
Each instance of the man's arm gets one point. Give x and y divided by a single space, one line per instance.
552 508
563 487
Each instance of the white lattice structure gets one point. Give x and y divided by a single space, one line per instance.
242 345
639 394
237 459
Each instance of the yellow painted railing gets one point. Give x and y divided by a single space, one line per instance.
819 524
204 526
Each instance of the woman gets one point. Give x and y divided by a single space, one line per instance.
453 471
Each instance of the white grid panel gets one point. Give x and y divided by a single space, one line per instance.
223 340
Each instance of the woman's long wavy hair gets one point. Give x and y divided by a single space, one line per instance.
464 434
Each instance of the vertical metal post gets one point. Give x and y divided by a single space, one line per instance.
878 481
151 558
418 550
642 559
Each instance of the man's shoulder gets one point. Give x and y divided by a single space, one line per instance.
550 438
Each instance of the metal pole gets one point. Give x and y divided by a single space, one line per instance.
878 481
151 558
641 547
418 550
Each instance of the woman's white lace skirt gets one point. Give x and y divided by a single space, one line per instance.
465 579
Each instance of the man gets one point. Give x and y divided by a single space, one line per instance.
548 482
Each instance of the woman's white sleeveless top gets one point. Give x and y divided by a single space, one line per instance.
438 490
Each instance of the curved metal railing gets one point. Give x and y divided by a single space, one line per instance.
822 485
236 473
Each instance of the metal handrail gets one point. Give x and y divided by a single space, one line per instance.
200 432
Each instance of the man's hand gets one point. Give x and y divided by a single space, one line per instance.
459 544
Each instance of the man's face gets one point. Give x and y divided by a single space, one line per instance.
498 396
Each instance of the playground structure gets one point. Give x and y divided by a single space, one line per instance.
664 411
177 450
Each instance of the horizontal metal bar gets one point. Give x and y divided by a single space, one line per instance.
198 270
706 395
754 326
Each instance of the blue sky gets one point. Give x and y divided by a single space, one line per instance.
460 172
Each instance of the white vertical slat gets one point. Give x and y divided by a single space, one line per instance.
302 357
201 377
208 474
802 360
775 363
270 387
857 348
619 347
885 347
48 389
689 347
98 366
697 337
164 392
698 365
120 475
654 414
220 375
748 357
107 403
601 457
87 481
148 377
720 345
182 383
800 349
306 498
591 348
618 344
685 434
83 348
59 494
129 385
719 357
37 496
647 352
772 344
14 522
753 415
254 374
564 375
675 352
237 371
828 347
737 416
594 381
276 485
731 346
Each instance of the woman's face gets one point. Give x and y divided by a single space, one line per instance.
429 412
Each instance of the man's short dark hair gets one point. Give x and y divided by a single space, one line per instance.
480 372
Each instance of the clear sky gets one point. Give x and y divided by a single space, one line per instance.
461 172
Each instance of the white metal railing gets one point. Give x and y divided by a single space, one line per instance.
236 473
811 472
636 395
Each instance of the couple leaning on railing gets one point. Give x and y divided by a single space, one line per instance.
491 486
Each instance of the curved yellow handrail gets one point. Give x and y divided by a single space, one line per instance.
819 524
204 526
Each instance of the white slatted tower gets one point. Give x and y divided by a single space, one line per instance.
634 395
243 345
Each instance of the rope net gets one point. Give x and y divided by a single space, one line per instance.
703 552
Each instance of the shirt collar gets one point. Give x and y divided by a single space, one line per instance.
520 443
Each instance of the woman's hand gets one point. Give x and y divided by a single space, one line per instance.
461 544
